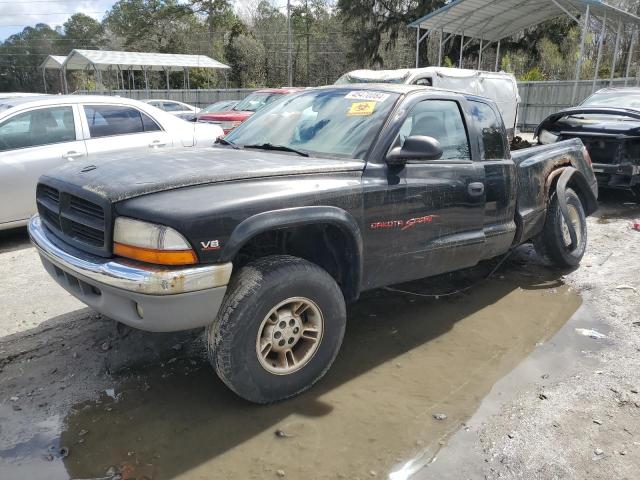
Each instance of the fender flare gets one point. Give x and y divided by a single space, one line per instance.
294 217
587 197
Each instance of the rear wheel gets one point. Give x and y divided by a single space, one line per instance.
554 242
279 329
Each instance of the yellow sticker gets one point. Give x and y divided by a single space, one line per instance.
361 108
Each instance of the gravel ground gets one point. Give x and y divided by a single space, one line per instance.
570 413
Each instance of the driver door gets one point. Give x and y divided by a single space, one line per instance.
433 218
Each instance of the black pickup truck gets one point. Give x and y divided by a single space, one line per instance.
324 194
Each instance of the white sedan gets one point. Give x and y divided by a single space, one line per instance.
39 133
179 109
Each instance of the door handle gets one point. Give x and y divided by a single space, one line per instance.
157 143
475 189
72 155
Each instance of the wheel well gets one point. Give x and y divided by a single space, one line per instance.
326 245
578 184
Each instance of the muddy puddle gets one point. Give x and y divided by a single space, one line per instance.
404 360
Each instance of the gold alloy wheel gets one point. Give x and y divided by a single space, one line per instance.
574 216
289 335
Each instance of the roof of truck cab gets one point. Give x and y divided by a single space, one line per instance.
398 88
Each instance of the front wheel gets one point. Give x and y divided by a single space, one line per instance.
279 329
554 242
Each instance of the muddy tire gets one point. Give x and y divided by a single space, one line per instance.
279 329
554 242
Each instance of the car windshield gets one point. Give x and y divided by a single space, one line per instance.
256 101
614 99
216 107
337 123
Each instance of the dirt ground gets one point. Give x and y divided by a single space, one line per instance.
493 383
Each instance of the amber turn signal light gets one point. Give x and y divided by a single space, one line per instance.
158 257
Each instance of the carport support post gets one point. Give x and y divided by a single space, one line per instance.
166 74
603 32
615 53
146 81
65 85
44 79
633 39
480 53
417 46
440 48
461 49
498 55
585 27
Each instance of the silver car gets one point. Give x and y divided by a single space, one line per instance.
173 107
39 133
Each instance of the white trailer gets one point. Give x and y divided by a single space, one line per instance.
500 87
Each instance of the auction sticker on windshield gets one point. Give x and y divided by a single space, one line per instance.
361 108
367 95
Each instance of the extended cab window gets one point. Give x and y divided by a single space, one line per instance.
492 146
108 120
442 120
44 126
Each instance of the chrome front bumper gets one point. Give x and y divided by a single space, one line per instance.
148 297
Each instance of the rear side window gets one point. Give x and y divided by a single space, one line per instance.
491 129
442 120
173 107
109 120
43 126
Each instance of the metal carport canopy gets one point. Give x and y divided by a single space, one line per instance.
107 59
53 62
494 20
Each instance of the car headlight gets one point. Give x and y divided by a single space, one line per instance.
545 137
151 243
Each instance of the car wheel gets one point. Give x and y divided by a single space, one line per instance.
279 329
554 242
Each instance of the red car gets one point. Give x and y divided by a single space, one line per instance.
245 108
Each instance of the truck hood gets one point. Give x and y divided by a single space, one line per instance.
602 120
130 174
229 115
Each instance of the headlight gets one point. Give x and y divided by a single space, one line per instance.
151 243
230 124
545 137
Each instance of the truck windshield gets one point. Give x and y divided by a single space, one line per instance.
614 99
336 122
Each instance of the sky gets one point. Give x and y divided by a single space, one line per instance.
17 14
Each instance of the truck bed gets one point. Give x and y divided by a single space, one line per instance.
533 166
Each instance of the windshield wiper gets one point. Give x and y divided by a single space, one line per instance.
222 141
281 148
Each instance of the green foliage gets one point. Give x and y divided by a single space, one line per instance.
246 57
533 75
328 38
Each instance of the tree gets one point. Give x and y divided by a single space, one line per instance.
150 25
82 31
21 55
376 25
246 57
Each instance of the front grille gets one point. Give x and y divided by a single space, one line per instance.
77 220
603 149
85 208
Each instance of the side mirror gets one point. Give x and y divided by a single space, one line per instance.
416 147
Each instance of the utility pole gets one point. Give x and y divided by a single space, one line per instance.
289 47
